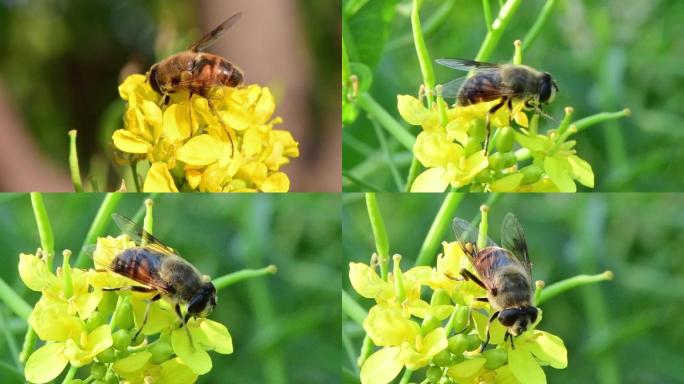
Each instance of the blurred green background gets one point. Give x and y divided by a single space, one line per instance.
605 56
61 62
627 330
285 327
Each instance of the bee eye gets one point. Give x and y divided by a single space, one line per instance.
533 314
545 89
507 317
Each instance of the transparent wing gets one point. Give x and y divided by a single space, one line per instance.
513 240
467 65
141 236
210 38
466 235
452 88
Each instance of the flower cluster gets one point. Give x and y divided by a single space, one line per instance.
451 148
222 143
444 335
82 324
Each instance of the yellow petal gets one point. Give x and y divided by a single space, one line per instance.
132 363
46 363
130 142
251 142
177 122
365 281
153 118
52 322
202 150
381 367
159 179
34 272
412 110
218 335
431 180
387 327
193 176
195 357
174 371
277 182
264 107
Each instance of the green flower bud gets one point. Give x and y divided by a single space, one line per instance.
473 341
477 130
531 173
429 324
458 344
495 358
76 381
440 297
95 320
112 378
108 302
123 318
473 145
455 359
484 176
496 161
98 370
120 354
106 356
505 139
433 374
443 358
121 339
508 159
461 318
161 350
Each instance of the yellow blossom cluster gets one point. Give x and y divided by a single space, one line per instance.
222 143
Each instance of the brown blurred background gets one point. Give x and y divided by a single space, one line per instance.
61 63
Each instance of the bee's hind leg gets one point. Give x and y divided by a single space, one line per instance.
470 276
184 324
147 314
226 129
492 111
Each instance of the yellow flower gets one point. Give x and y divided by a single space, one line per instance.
222 143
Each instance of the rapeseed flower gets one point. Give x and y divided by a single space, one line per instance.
223 143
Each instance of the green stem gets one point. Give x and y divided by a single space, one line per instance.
566 121
66 272
360 183
136 179
423 54
498 26
73 163
484 224
366 350
29 343
109 204
11 342
388 155
379 233
352 309
599 118
245 274
487 10
47 240
431 25
14 301
406 377
346 66
538 24
349 350
70 375
440 225
148 221
366 102
557 288
413 173
353 6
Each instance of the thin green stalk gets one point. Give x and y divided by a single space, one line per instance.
109 204
11 342
136 179
431 25
148 221
498 26
379 233
47 240
346 66
14 301
366 350
353 6
565 123
440 225
360 183
487 10
70 375
352 309
406 377
484 227
538 24
357 145
366 102
599 118
73 163
422 52
555 289
29 343
349 351
245 274
413 173
388 155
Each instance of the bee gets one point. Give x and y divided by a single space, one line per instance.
504 82
194 70
159 269
504 272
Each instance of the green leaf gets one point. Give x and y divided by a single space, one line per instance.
369 29
381 367
557 169
46 363
524 367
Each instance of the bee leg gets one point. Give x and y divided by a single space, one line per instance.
484 345
470 276
230 136
492 111
184 324
147 313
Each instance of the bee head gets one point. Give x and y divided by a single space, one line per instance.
152 77
547 89
203 302
517 319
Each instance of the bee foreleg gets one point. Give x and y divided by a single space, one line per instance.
146 315
509 336
484 345
184 324
470 276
